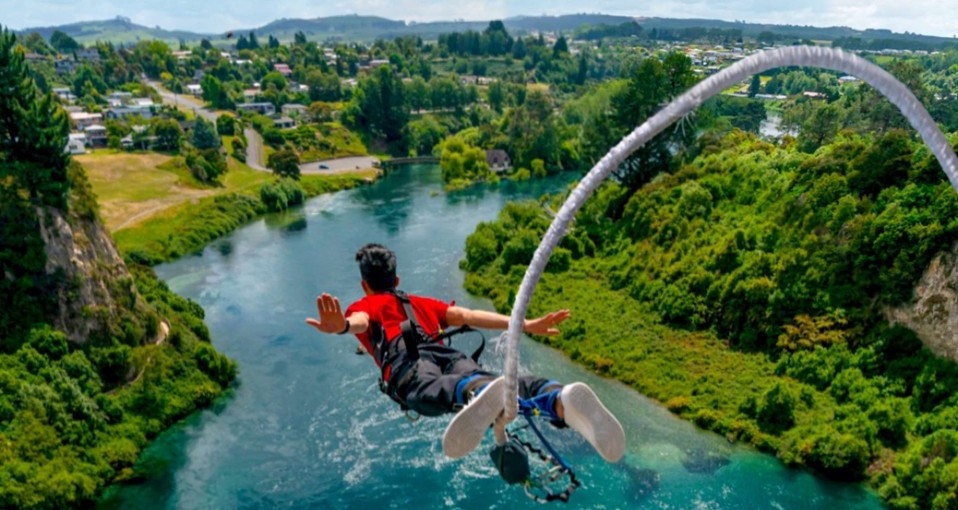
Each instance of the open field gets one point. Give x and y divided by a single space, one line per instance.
133 187
155 208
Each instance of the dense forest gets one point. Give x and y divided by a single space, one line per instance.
746 291
74 414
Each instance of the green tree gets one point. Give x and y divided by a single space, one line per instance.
284 163
63 42
214 93
204 135
34 42
519 49
379 104
497 96
651 84
755 86
274 80
226 125
323 86
532 131
561 47
168 134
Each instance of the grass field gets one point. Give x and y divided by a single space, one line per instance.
134 187
131 187
154 207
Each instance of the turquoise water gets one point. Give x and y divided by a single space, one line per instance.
305 426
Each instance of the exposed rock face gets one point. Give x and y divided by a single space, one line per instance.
96 287
934 313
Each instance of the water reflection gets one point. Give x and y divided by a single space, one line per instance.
704 461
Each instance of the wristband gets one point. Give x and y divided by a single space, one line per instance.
345 329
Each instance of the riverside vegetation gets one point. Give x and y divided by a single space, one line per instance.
74 414
745 292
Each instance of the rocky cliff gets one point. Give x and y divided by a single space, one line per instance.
933 314
95 292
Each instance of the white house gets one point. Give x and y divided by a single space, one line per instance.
76 143
84 119
284 123
96 135
294 110
260 108
194 89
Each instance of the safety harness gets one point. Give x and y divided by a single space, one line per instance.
388 351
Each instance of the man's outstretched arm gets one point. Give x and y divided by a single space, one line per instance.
545 325
331 318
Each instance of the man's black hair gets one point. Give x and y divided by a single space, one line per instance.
377 265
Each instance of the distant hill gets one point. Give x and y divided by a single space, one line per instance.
796 31
118 30
367 28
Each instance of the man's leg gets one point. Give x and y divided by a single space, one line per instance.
444 381
578 407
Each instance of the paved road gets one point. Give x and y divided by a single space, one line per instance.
185 101
338 165
255 156
254 149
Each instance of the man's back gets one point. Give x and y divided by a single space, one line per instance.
387 311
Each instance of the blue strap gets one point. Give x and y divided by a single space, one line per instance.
542 439
461 387
542 404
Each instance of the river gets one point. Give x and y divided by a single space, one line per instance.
305 426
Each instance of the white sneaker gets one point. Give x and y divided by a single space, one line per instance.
585 414
468 427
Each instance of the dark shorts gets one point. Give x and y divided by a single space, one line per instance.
430 390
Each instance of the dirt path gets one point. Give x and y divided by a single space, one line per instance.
161 337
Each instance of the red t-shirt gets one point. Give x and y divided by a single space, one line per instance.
387 310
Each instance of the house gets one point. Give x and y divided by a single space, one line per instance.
76 144
124 112
294 110
187 125
847 79
96 135
373 64
142 102
83 119
88 55
194 89
498 160
65 94
34 57
249 95
182 54
283 69
260 108
120 95
814 95
65 66
284 123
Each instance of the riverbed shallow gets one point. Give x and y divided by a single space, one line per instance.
305 426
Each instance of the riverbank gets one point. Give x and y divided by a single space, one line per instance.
156 212
283 441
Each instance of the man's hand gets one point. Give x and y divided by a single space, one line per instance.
545 325
331 319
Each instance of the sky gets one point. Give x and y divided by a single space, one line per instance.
931 17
